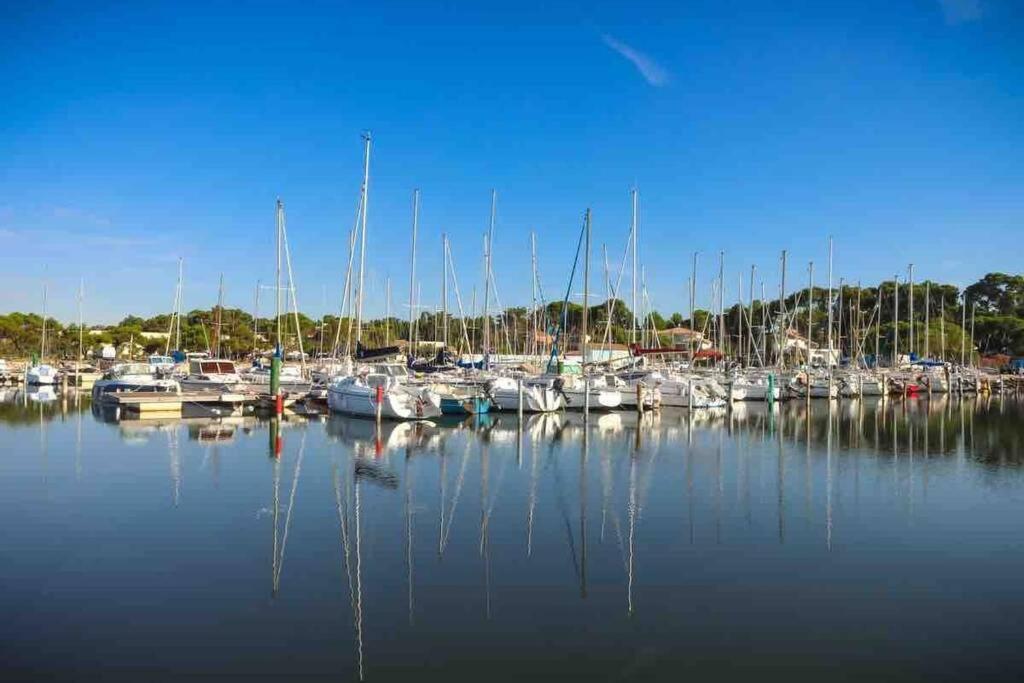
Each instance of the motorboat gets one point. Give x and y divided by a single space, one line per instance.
575 389
215 374
292 381
687 390
539 394
627 383
368 393
41 375
133 378
163 365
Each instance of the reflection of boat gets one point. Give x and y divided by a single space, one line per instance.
364 435
213 432
41 393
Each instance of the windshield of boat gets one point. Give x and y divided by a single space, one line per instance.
217 367
134 369
161 360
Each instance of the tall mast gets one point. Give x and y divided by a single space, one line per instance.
750 341
784 323
974 309
878 324
256 319
412 267
81 295
927 308
487 272
693 302
586 291
217 318
896 322
177 314
739 291
362 239
277 281
387 310
963 328
42 343
633 240
942 326
810 308
536 313
721 302
828 336
910 281
444 288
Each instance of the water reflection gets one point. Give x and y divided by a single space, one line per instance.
468 529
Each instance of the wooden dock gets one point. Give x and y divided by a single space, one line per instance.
143 405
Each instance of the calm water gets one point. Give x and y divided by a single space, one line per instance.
872 541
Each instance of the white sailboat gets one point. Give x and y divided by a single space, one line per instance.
41 374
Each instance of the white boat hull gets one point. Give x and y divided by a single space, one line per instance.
394 404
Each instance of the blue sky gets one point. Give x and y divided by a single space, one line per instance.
134 133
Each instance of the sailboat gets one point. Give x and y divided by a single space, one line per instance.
39 373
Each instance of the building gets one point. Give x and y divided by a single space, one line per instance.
682 337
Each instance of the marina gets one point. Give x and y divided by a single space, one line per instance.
486 342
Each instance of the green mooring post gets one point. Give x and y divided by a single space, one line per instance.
771 389
275 375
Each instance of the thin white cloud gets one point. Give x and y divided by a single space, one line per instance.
655 74
70 213
960 11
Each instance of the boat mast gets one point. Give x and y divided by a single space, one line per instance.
487 273
927 321
387 310
81 295
974 309
721 302
910 281
942 326
828 335
693 297
412 267
42 344
536 313
810 310
896 323
750 319
878 324
217 318
586 291
362 242
783 333
444 287
633 240
279 350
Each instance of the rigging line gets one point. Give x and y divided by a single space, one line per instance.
565 301
291 505
455 497
458 297
345 544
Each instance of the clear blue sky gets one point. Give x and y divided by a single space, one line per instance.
133 133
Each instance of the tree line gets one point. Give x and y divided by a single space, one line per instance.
863 317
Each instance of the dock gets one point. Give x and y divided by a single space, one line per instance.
143 405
